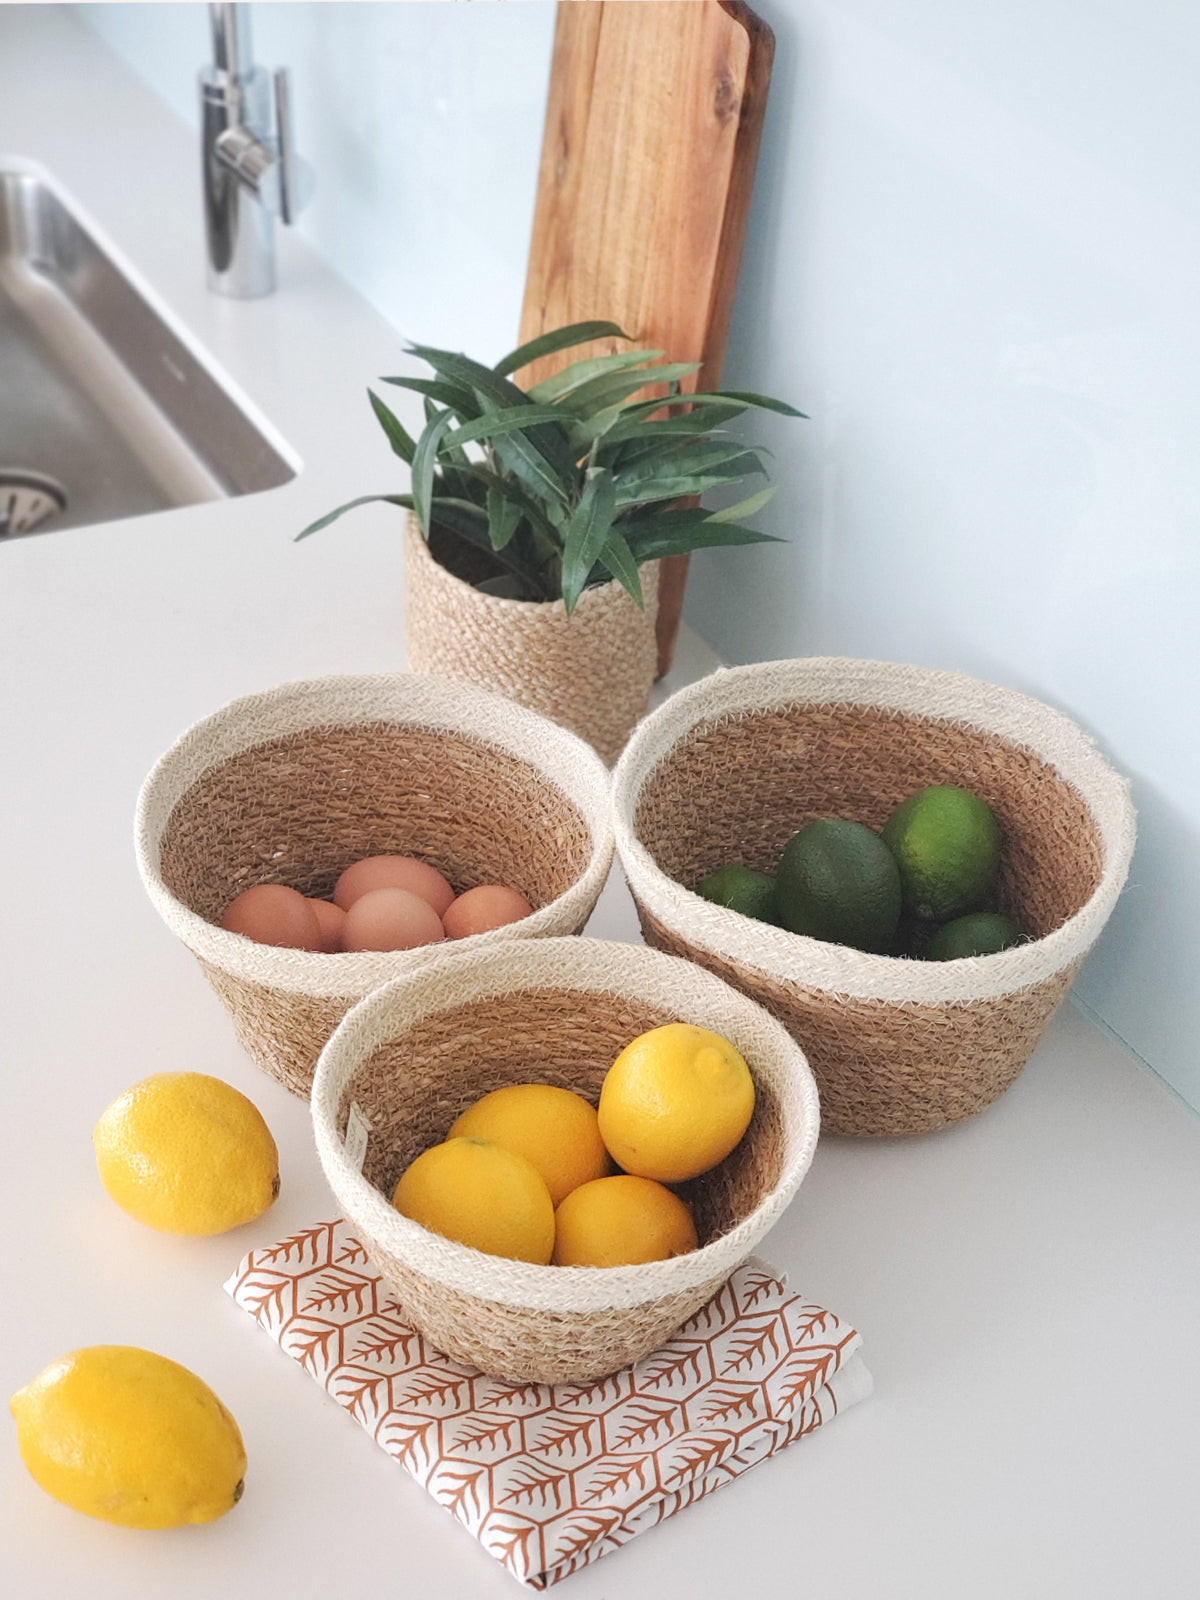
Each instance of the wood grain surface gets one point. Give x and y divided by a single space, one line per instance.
653 123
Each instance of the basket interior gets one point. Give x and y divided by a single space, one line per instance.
411 1090
738 788
300 809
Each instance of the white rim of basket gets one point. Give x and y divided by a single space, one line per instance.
405 700
594 966
944 696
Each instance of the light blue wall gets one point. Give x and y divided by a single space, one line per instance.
973 258
423 124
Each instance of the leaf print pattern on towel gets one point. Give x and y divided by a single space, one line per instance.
549 1479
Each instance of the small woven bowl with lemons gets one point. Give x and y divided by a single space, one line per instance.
408 1059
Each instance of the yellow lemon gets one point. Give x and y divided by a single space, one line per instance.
186 1153
481 1195
127 1436
620 1221
675 1102
556 1129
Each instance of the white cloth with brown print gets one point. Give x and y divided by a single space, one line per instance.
551 1478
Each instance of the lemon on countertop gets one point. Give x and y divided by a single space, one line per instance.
187 1154
675 1102
129 1437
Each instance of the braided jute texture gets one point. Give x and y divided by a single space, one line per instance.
591 671
730 768
293 785
415 1053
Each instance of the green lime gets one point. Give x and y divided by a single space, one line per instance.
979 933
946 842
741 889
837 881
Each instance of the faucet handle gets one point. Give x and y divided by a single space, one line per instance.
279 179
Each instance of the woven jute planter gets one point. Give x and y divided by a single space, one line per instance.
413 1055
293 785
728 769
591 671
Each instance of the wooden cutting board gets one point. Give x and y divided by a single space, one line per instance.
652 130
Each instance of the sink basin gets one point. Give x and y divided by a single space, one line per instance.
106 409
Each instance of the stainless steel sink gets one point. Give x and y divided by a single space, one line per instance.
105 410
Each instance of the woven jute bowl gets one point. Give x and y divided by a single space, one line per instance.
293 785
591 671
729 768
413 1055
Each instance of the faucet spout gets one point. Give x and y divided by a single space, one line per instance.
250 174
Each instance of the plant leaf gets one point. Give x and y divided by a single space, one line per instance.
661 487
640 413
451 457
763 402
676 458
363 500
744 508
497 393
548 344
515 419
548 532
536 512
425 464
669 534
560 383
698 424
455 395
462 370
399 438
502 516
589 527
610 389
468 508
616 555
740 398
525 461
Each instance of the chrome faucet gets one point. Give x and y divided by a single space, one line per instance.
251 171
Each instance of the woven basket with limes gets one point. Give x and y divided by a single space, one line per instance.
906 866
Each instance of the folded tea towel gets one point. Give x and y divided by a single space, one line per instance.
550 1478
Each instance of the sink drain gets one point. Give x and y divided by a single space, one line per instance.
27 499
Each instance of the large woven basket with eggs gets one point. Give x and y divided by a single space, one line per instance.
297 785
410 1058
730 768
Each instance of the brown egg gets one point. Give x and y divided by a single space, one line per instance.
479 910
391 919
332 920
393 872
271 913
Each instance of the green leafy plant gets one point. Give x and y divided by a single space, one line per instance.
578 479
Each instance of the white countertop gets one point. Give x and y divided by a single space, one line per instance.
1026 1284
